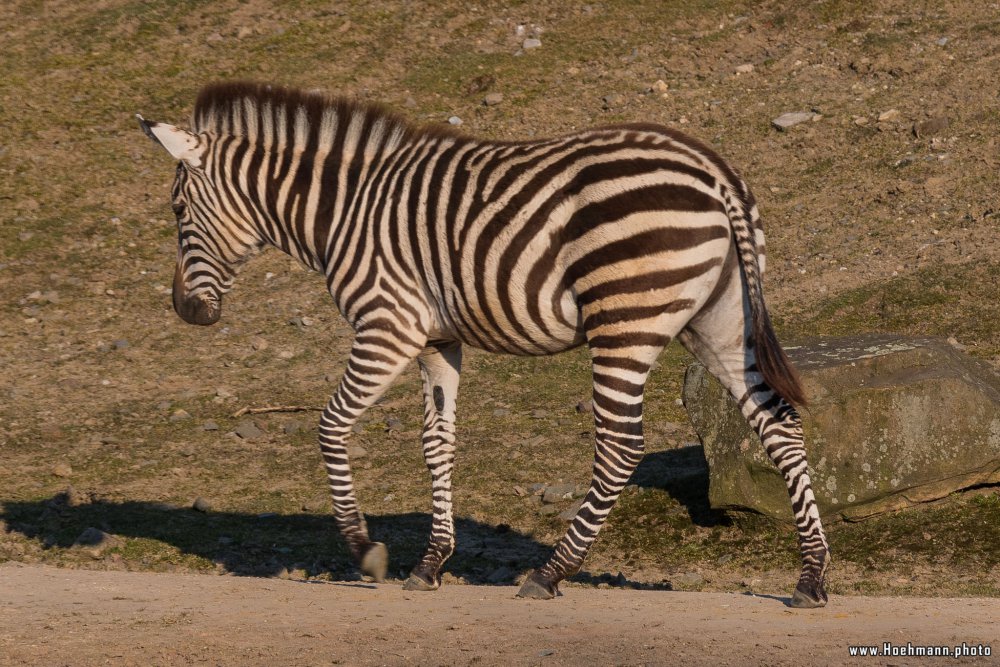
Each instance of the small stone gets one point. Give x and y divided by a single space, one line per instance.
201 505
520 491
223 393
259 344
539 414
455 120
791 119
291 427
209 426
120 344
356 452
393 424
659 87
180 415
570 512
955 344
501 412
548 510
163 405
930 127
557 493
888 116
613 100
307 321
249 431
531 43
214 38
286 354
942 41
493 99
536 489
585 407
409 102
745 68
95 542
62 470
861 120
687 579
243 32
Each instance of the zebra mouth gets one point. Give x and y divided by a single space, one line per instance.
199 311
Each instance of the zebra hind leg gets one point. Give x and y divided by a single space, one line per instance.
439 368
716 342
374 364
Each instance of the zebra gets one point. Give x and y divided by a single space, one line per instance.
621 238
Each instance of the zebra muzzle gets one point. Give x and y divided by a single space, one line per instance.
194 309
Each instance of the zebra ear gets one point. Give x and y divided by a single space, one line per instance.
181 144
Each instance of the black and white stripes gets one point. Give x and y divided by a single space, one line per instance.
621 238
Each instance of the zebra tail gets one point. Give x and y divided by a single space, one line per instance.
772 362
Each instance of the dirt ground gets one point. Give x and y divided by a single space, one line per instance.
115 417
55 617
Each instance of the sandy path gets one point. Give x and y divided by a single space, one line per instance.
53 616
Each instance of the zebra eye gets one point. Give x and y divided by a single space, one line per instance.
179 209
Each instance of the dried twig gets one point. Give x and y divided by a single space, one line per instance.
274 408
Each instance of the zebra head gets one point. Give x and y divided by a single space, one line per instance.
212 239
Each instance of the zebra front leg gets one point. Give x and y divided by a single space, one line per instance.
619 380
440 367
376 360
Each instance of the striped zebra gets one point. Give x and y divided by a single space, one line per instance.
621 238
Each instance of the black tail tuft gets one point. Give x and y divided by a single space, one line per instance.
772 362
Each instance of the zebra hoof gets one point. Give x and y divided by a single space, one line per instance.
375 562
417 583
809 596
535 587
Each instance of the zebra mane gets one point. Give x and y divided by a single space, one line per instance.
245 108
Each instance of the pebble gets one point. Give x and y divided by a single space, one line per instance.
558 492
955 344
536 489
613 100
180 415
570 512
201 505
243 32
501 412
248 431
745 68
317 504
531 43
455 120
659 87
585 407
120 344
539 414
687 579
95 542
888 116
930 126
520 491
62 470
493 99
209 426
259 344
548 510
356 452
393 424
791 119
286 354
291 427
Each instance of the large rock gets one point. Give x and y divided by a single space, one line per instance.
891 422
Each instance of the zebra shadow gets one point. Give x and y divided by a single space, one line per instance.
169 537
683 474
